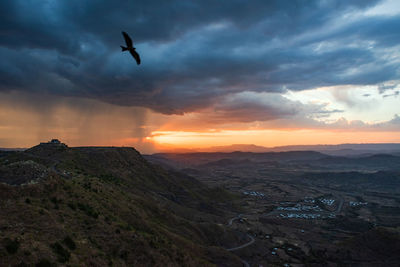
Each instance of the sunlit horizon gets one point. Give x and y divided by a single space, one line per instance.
214 80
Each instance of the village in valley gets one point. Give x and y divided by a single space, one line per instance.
298 214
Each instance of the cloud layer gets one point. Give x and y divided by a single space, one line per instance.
195 54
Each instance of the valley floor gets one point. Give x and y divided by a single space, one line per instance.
294 216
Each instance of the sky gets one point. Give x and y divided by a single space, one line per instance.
213 73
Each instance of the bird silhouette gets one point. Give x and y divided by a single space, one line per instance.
129 47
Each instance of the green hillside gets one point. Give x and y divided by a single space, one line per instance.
107 206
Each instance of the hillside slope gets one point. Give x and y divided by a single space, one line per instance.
102 206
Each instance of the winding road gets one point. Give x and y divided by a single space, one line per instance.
230 222
340 206
244 245
234 218
252 240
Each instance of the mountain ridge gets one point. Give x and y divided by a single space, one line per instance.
113 205
338 149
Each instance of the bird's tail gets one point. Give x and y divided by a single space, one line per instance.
124 48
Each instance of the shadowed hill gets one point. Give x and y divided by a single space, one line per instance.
107 206
191 159
379 245
376 161
304 158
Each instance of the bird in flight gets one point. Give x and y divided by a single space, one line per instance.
129 47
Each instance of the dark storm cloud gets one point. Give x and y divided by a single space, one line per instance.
194 53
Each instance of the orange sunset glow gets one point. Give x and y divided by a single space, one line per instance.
218 80
268 138
80 122
200 133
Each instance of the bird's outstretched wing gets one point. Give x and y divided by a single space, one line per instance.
135 55
128 39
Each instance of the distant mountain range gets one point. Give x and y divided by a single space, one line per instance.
334 150
312 159
12 149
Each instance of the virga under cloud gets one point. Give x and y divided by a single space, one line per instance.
200 55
